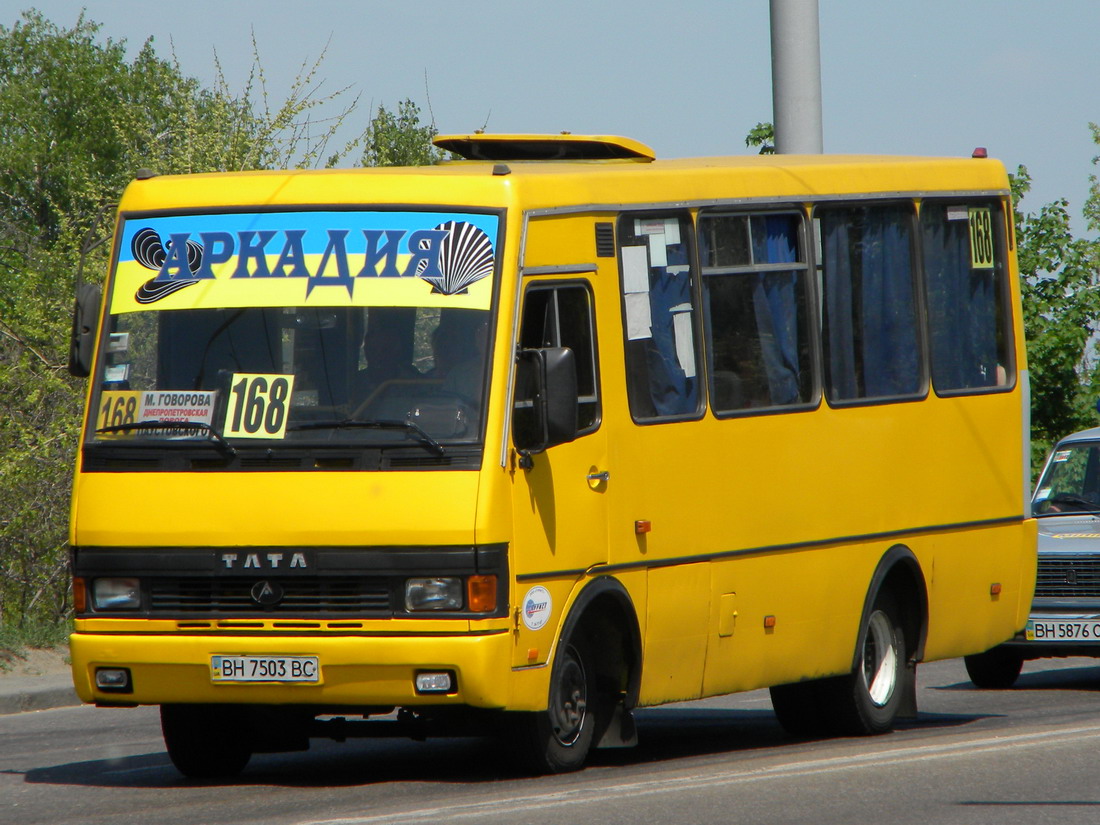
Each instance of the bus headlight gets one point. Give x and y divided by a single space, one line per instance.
435 593
116 594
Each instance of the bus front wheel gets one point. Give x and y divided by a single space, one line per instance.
205 741
558 739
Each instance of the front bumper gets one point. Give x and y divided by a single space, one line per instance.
356 671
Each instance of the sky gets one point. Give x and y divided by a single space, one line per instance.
691 78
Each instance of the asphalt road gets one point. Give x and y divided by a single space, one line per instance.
1025 755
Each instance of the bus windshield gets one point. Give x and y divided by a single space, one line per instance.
385 341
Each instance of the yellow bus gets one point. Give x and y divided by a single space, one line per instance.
549 432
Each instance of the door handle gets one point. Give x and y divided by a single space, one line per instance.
599 477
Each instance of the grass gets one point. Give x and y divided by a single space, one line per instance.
16 638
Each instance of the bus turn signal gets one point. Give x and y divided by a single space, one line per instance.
481 593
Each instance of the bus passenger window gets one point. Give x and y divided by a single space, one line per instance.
756 311
964 277
871 341
660 319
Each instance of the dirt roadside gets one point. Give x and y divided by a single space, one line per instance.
33 662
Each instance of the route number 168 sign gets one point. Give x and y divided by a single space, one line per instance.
258 405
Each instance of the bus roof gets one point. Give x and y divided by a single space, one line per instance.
625 176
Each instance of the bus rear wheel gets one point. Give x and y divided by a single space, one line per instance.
558 739
871 693
865 701
205 741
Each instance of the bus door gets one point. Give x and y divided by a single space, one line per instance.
559 499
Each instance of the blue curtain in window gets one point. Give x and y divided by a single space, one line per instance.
870 312
776 307
889 318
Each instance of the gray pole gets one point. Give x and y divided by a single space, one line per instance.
796 77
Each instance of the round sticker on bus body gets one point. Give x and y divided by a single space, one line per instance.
537 608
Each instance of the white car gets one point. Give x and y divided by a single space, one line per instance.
1065 613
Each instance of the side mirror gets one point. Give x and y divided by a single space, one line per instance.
546 399
85 319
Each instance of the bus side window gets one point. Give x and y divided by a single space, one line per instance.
756 309
662 350
967 295
560 315
871 339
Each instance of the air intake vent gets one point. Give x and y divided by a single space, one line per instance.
605 240
407 462
98 463
182 596
264 463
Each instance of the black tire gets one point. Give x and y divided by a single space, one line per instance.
996 669
206 741
558 739
870 695
863 702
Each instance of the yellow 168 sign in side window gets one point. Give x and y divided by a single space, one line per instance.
981 238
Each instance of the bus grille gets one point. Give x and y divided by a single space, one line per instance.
300 596
1068 577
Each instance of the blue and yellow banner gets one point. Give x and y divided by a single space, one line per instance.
322 258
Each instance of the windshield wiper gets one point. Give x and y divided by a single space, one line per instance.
216 437
426 440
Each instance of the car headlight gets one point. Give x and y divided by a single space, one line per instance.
435 593
116 594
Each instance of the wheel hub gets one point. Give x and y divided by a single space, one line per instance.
880 658
570 702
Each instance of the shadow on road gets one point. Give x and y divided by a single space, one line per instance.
1055 678
665 734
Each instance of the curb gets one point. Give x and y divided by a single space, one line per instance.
18 695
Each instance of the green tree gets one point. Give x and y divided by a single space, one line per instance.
77 120
1061 306
763 136
400 139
